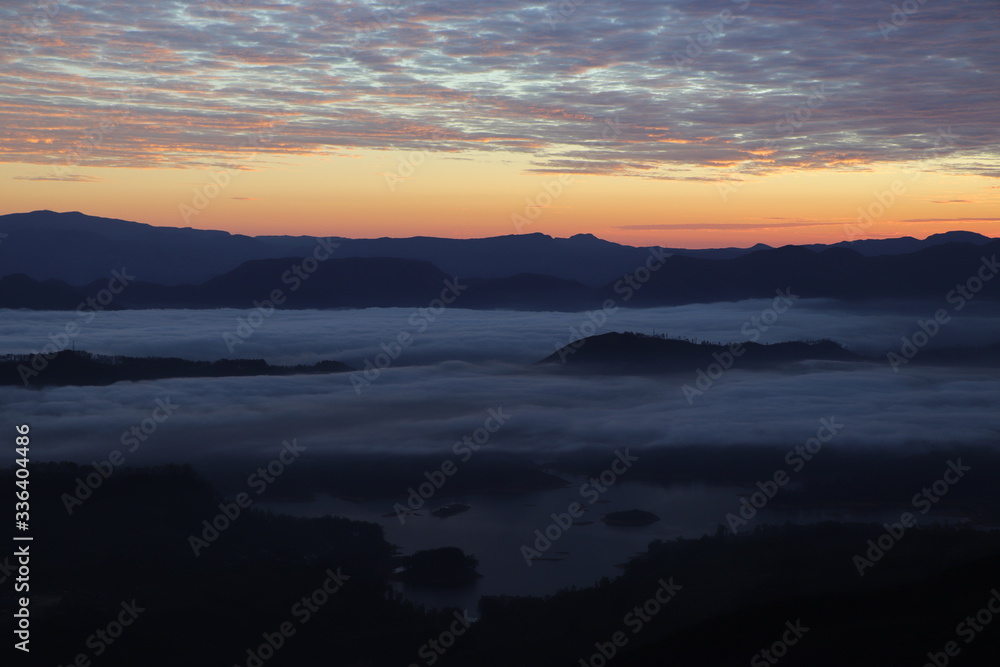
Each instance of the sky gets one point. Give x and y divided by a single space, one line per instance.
691 123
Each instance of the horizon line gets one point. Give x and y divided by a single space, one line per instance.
683 227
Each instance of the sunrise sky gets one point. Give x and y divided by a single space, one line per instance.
681 123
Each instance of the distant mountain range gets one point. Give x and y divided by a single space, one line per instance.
76 367
640 354
78 249
838 273
58 260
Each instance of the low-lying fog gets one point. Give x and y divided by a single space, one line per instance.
475 361
351 336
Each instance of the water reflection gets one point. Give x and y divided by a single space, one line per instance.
495 528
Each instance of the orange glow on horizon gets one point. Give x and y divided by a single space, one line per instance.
371 193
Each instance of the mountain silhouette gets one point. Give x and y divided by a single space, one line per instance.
837 273
77 367
904 244
641 354
79 249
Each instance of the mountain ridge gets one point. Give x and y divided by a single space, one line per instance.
78 249
361 282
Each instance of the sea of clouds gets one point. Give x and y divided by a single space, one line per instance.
467 362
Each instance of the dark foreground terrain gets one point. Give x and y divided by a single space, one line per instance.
139 550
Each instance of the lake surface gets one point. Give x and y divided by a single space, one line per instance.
496 527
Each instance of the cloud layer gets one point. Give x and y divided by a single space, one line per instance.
639 87
413 411
473 336
424 409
